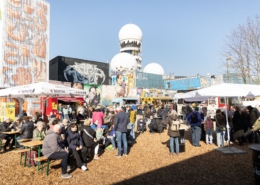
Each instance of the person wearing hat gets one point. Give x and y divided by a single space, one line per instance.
6 126
194 119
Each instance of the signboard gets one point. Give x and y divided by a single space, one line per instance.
2 111
7 110
10 110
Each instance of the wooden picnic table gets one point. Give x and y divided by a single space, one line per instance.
13 133
31 144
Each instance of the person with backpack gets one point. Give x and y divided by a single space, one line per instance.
173 131
195 122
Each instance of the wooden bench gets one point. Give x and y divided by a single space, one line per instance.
21 152
40 161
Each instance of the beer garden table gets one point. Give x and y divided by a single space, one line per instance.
13 133
31 144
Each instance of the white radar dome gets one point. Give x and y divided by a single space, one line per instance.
123 62
130 32
153 68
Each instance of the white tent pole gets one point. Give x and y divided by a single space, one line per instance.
227 121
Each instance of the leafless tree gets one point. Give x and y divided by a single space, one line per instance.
242 51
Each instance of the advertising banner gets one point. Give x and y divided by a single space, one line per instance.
2 111
10 110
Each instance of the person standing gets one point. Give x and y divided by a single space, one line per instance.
132 118
238 123
209 130
121 120
221 128
253 114
195 122
173 134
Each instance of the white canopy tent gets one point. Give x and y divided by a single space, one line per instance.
222 90
41 89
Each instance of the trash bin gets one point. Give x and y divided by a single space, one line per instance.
256 161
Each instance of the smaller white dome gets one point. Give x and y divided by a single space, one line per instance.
154 68
123 62
130 32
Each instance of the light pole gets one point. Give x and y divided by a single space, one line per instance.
227 59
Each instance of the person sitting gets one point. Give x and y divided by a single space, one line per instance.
141 124
76 146
6 126
26 130
38 132
52 150
111 136
17 124
89 137
152 125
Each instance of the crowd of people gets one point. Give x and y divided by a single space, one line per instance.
94 129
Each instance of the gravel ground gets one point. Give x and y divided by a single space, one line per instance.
148 162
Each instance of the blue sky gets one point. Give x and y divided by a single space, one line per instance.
183 36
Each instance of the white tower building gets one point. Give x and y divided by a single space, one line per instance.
130 38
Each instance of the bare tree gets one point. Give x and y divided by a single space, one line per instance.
243 46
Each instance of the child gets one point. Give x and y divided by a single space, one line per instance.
76 146
141 124
112 135
209 130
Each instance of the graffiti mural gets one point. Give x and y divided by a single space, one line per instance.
124 83
24 37
94 94
85 73
79 71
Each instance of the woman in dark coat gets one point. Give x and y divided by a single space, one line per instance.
238 123
174 134
89 137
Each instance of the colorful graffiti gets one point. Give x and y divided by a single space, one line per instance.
94 94
124 83
25 42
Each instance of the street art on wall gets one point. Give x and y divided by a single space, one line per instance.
158 93
124 83
85 73
94 94
24 43
109 92
78 71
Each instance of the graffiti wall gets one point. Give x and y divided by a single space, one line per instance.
109 92
157 93
78 71
124 84
94 94
24 42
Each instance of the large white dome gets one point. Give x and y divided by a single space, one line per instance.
130 32
123 62
154 68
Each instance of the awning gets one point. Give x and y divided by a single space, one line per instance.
67 99
162 98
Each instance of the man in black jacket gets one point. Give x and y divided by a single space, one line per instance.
120 121
26 130
6 126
